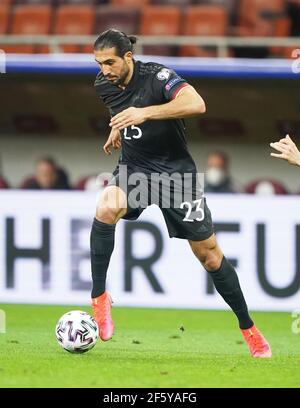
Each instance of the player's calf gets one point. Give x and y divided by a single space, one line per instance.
224 277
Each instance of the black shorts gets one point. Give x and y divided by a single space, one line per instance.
183 205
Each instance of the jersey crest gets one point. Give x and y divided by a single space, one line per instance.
163 74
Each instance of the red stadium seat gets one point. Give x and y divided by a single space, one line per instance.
3 183
262 18
203 21
74 20
33 2
18 49
125 20
180 3
229 5
256 17
247 8
31 20
160 20
265 187
76 2
130 3
4 19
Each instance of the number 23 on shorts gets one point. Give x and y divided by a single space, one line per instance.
189 210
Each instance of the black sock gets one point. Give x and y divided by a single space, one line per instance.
227 284
102 245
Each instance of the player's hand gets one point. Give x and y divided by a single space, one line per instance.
128 117
114 140
288 150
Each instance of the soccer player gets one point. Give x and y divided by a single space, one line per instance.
288 150
147 103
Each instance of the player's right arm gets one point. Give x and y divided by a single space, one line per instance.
288 150
104 91
176 99
114 140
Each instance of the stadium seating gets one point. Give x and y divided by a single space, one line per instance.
263 18
130 3
160 20
32 20
194 17
203 21
76 2
29 20
33 2
4 16
74 20
257 17
229 5
110 16
180 3
107 17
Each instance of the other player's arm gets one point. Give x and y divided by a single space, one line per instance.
187 103
288 150
114 140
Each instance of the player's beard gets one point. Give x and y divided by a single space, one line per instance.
123 75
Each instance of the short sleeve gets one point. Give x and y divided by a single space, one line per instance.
101 87
168 83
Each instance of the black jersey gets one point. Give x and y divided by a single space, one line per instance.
155 145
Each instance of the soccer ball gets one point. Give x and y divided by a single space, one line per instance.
76 331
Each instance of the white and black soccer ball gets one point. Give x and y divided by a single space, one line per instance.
77 331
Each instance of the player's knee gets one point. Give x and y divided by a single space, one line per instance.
212 261
107 215
112 205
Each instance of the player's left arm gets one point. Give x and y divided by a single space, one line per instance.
187 103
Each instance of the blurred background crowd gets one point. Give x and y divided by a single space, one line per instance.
49 175
52 126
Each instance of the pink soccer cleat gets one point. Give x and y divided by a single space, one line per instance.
257 344
102 314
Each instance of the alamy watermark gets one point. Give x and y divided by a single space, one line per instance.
2 62
296 63
183 191
2 322
295 327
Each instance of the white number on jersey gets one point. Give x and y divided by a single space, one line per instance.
137 135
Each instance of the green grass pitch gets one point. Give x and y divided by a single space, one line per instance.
148 350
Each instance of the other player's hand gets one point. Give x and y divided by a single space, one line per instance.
288 150
128 117
114 140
